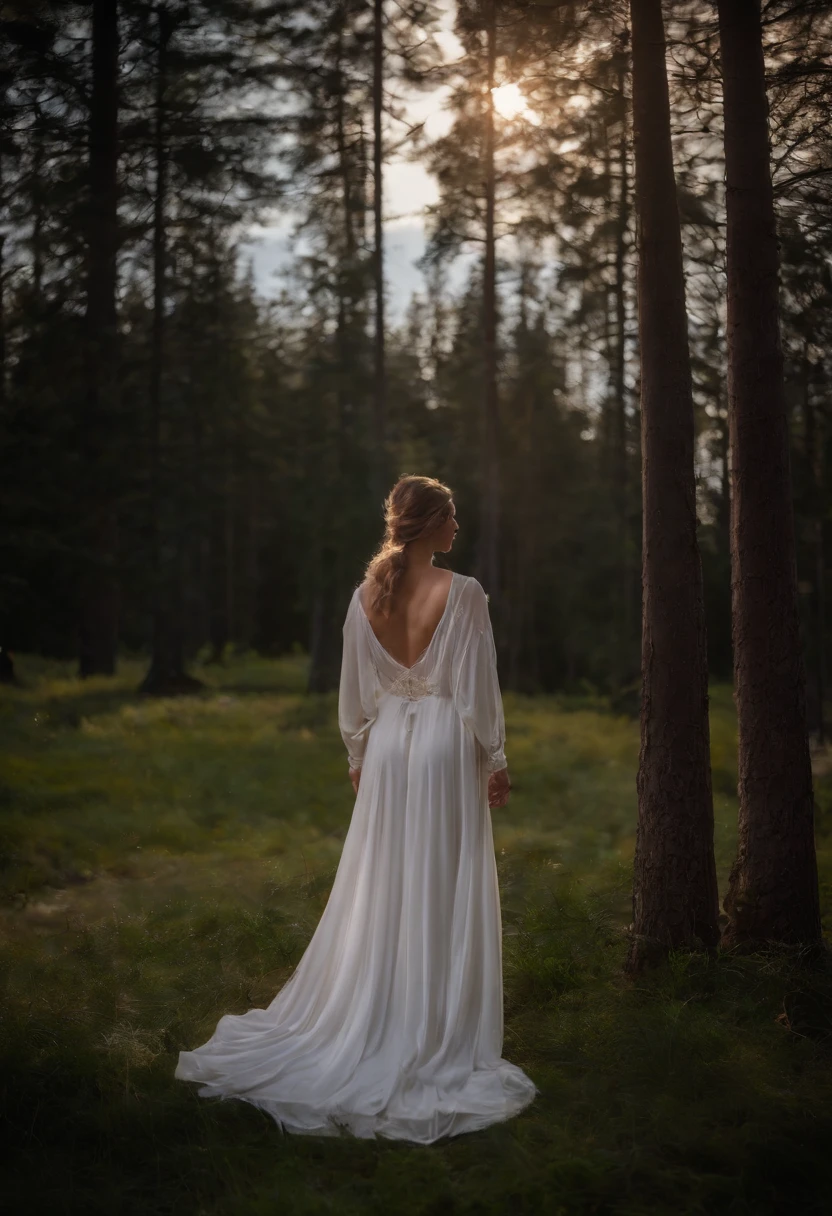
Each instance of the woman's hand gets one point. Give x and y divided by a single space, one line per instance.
355 777
498 788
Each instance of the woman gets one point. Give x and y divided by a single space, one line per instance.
392 1023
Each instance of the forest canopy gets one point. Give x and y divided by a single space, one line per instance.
194 462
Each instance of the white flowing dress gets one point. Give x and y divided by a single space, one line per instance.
392 1022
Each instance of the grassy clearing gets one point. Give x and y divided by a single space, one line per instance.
166 862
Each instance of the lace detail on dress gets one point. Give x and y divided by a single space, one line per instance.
412 687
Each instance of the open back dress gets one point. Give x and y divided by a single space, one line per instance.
392 1022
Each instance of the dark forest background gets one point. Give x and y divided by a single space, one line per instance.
192 481
192 469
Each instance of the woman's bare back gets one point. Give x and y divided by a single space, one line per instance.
420 605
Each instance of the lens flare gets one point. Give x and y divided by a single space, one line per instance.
509 101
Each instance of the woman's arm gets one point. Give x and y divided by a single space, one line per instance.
476 687
352 719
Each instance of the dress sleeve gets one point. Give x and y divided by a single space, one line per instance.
476 687
354 695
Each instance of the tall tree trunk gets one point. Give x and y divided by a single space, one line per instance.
626 573
380 371
166 674
97 149
250 563
724 509
616 471
347 277
488 554
327 595
820 622
813 450
608 420
98 588
518 566
675 901
3 351
328 609
773 888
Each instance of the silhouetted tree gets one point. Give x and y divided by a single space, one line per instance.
675 892
98 592
773 888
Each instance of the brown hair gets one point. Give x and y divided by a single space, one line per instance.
415 507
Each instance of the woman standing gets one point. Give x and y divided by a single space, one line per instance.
392 1022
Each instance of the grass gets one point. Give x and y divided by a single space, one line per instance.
165 862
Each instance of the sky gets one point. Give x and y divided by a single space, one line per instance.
408 190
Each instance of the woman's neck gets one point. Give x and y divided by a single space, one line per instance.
419 560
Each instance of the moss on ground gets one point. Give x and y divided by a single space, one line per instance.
164 862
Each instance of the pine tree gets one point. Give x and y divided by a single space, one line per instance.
205 166
98 591
773 887
675 891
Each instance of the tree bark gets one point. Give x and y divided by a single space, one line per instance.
724 508
675 901
622 224
3 349
488 555
814 448
325 616
4 213
97 147
166 675
626 573
98 587
380 370
773 887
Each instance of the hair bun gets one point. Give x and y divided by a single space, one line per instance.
415 507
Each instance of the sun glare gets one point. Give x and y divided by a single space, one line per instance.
509 101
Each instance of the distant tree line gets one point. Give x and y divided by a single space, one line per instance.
189 466
628 394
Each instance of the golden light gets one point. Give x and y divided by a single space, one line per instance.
509 101
578 102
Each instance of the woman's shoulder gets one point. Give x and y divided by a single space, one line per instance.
356 604
471 598
471 586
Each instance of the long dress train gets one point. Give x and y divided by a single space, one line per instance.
392 1022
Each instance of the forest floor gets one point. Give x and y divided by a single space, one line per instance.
166 862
